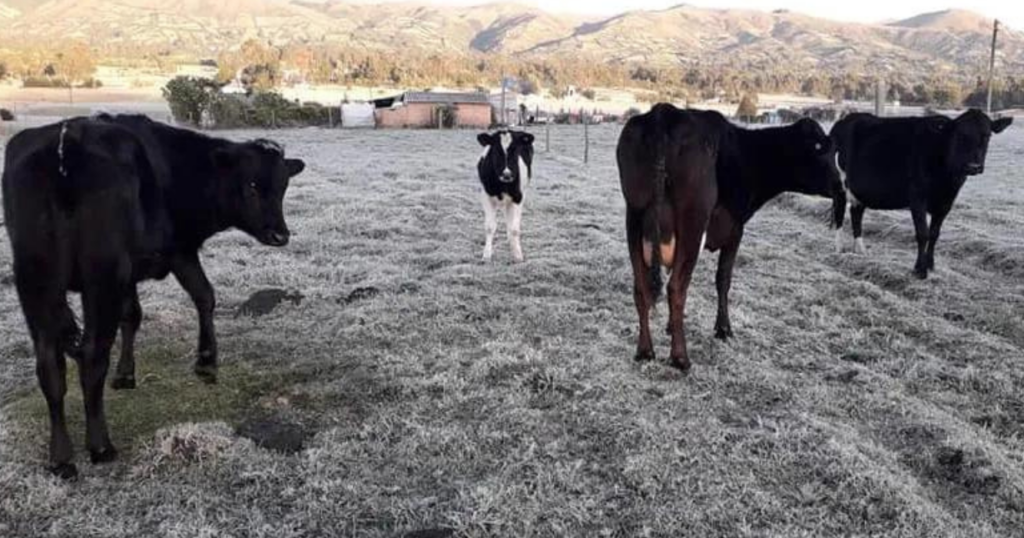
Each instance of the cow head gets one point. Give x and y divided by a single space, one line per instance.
507 156
967 139
812 162
255 177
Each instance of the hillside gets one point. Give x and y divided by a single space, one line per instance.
951 20
927 44
8 12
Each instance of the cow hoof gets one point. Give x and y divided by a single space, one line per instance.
644 356
921 274
682 364
723 334
108 455
123 383
65 471
207 374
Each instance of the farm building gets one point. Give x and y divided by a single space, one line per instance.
434 109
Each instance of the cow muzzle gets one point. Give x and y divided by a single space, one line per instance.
506 177
275 238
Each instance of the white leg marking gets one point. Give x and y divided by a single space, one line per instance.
514 214
839 241
490 224
703 241
861 249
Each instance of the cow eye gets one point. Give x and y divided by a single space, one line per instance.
253 185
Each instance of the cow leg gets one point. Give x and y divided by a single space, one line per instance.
723 282
938 218
514 217
839 199
125 377
689 236
192 278
642 286
857 223
102 304
46 311
490 225
920 214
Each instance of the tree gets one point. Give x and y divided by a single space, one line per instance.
261 66
747 110
189 97
74 64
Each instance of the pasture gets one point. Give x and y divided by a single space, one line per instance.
440 393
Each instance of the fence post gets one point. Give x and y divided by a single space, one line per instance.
586 140
547 137
273 119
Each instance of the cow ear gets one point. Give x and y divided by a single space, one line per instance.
224 160
527 138
484 139
294 166
1001 125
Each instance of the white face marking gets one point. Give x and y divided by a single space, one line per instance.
485 152
506 144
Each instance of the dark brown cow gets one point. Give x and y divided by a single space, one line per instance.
692 180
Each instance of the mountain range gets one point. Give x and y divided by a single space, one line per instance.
951 41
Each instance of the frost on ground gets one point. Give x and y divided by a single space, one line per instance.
501 400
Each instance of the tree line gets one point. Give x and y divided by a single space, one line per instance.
260 66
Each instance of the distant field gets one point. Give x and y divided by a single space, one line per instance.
502 400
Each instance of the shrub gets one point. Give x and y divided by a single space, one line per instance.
189 97
6 115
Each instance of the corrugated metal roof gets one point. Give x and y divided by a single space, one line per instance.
446 98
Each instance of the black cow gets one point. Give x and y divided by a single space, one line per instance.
910 163
96 205
505 167
692 180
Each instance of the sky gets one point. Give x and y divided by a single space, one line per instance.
1010 12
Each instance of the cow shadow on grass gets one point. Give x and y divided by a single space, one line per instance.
168 395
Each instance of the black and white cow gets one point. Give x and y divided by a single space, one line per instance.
505 168
97 205
919 164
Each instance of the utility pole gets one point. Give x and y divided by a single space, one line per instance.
992 66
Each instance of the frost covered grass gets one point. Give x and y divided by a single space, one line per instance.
501 399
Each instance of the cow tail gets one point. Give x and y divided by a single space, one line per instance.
652 218
68 158
839 199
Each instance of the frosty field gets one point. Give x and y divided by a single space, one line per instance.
440 393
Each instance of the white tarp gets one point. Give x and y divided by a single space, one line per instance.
356 115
